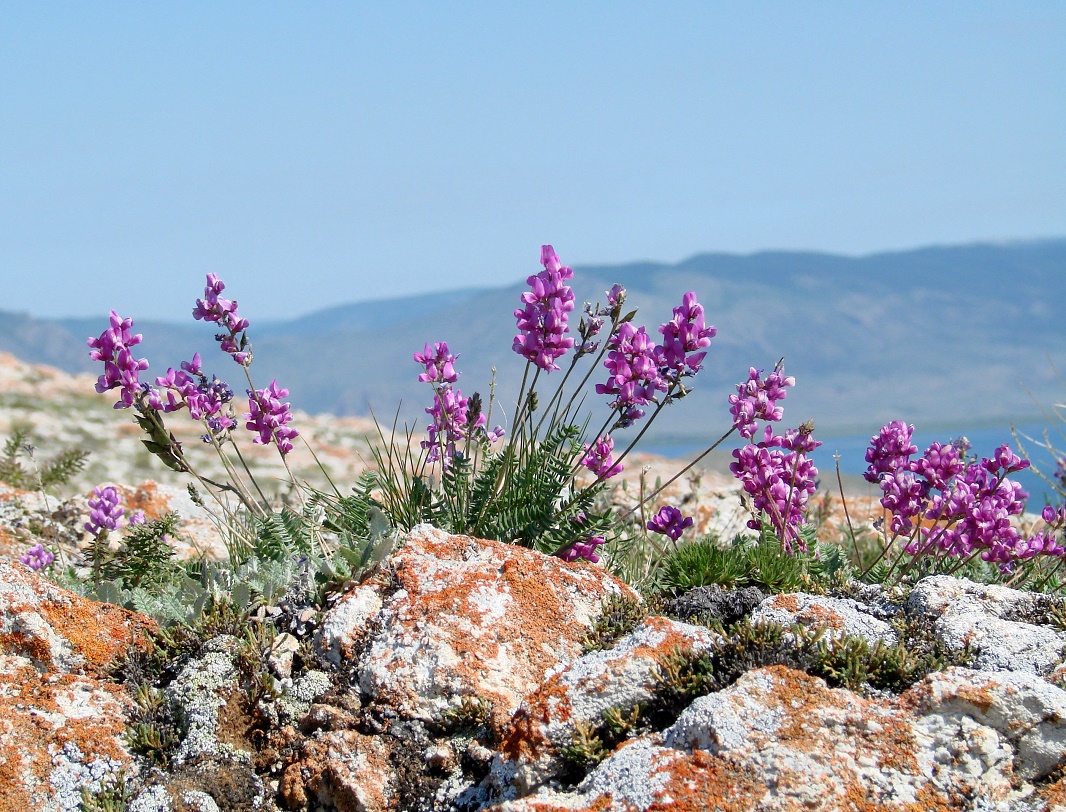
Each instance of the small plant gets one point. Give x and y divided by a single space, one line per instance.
703 562
115 796
44 476
583 752
684 674
619 616
759 561
473 713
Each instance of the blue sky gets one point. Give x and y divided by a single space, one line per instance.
320 153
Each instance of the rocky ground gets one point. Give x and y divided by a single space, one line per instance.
472 675
464 674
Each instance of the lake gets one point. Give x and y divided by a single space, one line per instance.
852 450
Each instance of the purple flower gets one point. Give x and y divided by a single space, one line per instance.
939 464
189 388
685 339
105 510
121 369
451 415
756 399
1041 544
542 321
780 478
267 416
37 557
635 376
974 514
889 449
453 421
1004 461
616 296
670 522
438 363
223 312
584 549
905 498
599 458
1055 518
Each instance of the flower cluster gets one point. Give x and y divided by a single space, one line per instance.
599 458
105 510
685 340
121 369
438 363
583 549
267 416
756 399
633 362
942 504
455 418
223 312
189 387
37 557
780 478
639 368
670 522
543 319
889 448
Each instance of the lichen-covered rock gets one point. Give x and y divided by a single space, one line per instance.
838 616
61 720
465 617
60 631
347 624
779 739
343 770
197 696
618 679
714 601
1000 624
1022 708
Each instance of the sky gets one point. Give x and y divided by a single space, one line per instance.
314 154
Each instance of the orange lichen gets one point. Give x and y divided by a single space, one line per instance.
30 703
787 602
820 616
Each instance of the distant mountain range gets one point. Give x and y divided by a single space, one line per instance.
948 336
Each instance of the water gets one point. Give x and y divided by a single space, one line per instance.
852 450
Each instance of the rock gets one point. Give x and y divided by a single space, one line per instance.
839 616
342 770
203 687
1003 625
465 617
60 631
61 720
346 626
1024 709
618 679
779 739
454 678
727 605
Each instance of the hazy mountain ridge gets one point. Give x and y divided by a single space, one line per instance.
944 334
